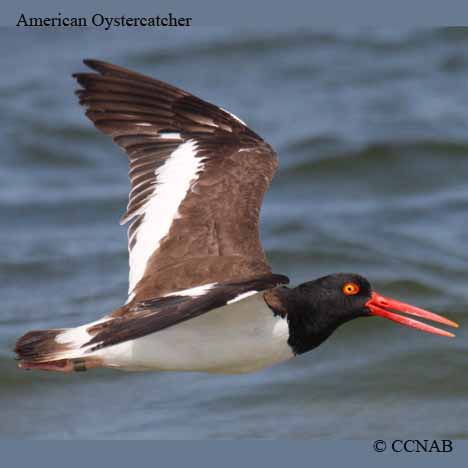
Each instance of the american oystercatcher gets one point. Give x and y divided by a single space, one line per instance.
202 296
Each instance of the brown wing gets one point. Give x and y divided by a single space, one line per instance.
144 318
198 176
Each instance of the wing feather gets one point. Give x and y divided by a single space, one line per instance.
198 175
150 316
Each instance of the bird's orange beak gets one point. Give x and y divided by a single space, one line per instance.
379 305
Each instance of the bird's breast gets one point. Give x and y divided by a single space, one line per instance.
243 336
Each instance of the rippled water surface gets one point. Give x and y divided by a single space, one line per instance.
372 132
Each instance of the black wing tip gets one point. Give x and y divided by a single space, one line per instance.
101 66
94 63
108 69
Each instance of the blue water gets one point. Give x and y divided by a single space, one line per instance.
372 132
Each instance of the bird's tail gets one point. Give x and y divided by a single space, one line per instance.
58 350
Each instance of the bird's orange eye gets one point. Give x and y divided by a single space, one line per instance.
350 289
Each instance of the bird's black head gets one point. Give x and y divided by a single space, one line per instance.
316 308
339 297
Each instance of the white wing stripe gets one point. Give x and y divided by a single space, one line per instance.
174 179
242 296
170 136
193 292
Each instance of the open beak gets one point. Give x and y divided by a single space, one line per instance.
379 305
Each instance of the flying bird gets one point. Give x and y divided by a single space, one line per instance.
202 296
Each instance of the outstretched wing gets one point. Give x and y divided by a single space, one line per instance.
157 314
198 176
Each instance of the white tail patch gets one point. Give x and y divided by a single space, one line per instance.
174 178
75 338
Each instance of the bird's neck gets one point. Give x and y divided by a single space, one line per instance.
309 326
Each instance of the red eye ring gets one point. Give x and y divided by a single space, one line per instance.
350 289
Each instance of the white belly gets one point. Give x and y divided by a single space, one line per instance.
241 337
